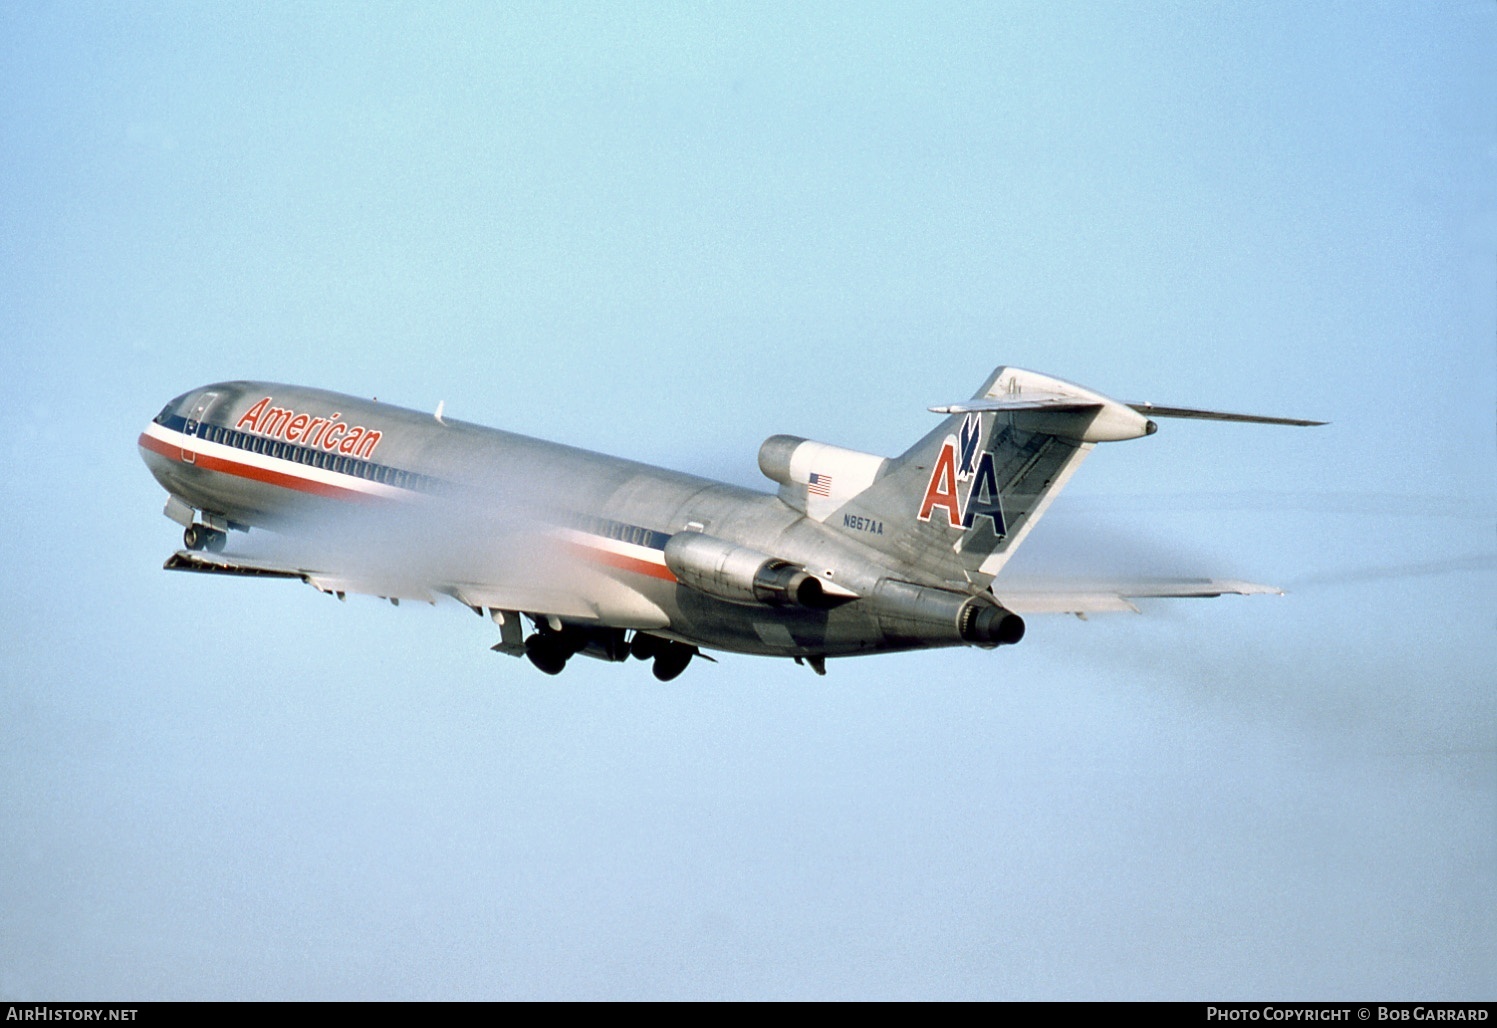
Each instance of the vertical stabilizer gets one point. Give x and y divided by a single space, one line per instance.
955 506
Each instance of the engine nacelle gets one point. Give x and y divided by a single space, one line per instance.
774 457
922 614
989 624
817 478
739 574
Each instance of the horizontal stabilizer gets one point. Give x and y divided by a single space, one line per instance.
1029 401
1094 597
1057 403
1217 415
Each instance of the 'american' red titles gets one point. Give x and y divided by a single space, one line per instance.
328 433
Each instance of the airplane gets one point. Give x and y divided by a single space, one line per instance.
853 553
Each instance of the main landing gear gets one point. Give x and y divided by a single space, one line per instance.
201 537
549 649
670 657
548 652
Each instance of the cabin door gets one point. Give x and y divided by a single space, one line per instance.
194 423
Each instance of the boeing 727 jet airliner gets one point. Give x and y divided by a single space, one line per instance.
855 552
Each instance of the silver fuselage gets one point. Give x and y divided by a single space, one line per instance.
257 454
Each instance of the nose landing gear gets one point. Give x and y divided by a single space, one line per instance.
201 537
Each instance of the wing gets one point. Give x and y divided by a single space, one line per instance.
603 601
1097 597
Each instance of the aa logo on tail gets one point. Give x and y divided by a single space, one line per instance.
960 461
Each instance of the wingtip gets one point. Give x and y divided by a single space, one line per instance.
1250 589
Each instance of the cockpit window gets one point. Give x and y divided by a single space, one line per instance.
169 411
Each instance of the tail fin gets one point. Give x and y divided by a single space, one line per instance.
955 506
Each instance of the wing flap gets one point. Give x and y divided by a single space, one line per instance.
191 560
217 564
525 598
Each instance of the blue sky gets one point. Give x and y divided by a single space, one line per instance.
667 232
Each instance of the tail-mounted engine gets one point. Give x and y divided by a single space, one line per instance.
919 614
817 478
740 574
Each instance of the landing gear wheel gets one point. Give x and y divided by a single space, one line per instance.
546 654
671 659
643 647
201 537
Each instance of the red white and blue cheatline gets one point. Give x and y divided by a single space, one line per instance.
261 467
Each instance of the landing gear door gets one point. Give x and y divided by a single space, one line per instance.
195 422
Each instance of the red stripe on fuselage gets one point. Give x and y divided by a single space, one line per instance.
626 563
173 452
207 462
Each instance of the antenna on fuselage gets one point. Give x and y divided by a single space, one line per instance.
438 415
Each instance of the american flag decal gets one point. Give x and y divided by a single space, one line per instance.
819 485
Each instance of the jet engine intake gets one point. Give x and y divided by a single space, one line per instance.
740 574
775 455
